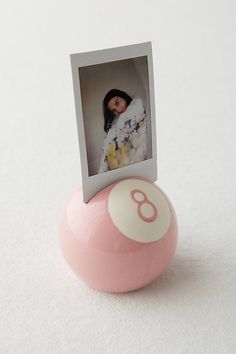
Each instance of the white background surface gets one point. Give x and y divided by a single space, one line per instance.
191 307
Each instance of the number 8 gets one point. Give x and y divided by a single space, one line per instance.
135 195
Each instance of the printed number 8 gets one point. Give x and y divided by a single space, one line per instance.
140 198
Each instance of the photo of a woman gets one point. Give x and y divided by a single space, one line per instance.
125 125
117 123
115 115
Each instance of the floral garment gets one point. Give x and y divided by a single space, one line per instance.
125 142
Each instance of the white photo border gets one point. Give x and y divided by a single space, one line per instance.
147 168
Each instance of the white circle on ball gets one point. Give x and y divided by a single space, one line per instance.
124 213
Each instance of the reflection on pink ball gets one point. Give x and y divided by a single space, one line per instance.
123 238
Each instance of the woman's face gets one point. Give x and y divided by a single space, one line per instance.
117 105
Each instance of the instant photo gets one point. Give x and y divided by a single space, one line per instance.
114 98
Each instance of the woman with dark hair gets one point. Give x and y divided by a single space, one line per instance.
114 103
125 127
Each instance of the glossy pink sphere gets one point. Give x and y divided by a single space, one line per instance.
123 238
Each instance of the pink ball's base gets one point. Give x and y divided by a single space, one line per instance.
101 255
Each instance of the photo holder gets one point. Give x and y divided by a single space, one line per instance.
118 232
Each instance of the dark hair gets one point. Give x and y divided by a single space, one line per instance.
108 115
